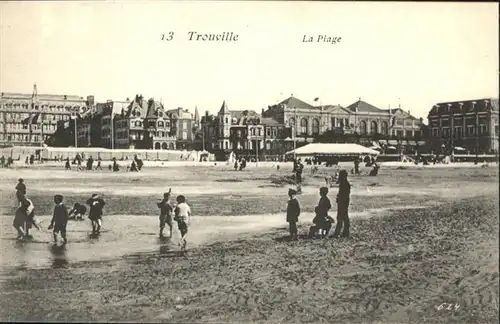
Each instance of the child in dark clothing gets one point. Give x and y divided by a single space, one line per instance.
20 188
322 221
165 213
95 214
78 212
293 213
59 219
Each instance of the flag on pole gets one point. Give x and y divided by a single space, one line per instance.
316 99
33 119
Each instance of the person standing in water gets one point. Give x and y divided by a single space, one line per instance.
343 198
182 216
293 213
59 219
95 214
165 213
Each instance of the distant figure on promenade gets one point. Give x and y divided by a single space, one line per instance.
27 161
343 198
2 161
116 167
95 215
166 210
292 213
90 163
67 165
32 159
59 219
356 166
98 167
138 162
182 216
243 164
20 188
133 167
236 165
10 161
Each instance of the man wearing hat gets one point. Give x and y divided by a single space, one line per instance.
95 214
292 213
20 188
343 198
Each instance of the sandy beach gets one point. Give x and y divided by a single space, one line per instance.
415 232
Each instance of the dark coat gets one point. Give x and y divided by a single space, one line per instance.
60 217
293 211
96 206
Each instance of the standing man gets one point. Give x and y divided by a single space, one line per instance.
343 198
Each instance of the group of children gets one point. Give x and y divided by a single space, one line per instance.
322 221
181 214
24 219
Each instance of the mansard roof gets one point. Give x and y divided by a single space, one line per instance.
154 108
483 104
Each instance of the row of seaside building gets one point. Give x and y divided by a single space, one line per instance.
141 123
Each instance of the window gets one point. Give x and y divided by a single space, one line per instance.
470 130
160 124
268 132
315 126
409 134
292 122
385 128
457 132
303 126
483 129
374 127
435 132
362 127
334 122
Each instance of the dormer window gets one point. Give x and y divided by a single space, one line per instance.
160 124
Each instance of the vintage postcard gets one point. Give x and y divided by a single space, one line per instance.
249 162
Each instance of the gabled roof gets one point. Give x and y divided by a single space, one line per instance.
335 108
363 107
154 107
293 102
223 108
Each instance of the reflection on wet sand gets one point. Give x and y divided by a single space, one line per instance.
59 258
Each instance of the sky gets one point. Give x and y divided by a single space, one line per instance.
414 54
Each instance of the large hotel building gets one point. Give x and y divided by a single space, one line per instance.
30 119
469 124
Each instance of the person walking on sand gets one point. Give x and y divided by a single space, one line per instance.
343 198
293 213
95 214
182 216
59 219
67 165
165 213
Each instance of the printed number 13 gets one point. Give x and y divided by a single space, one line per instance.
168 37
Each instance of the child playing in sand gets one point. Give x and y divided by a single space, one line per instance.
95 214
78 212
59 219
165 213
293 213
182 216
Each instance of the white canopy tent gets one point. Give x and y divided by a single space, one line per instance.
333 149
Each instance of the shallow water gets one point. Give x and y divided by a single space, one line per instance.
124 235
